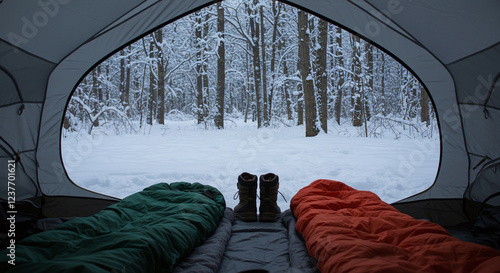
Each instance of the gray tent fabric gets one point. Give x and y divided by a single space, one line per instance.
485 189
47 46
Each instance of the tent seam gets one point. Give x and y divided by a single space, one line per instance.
20 102
27 52
474 54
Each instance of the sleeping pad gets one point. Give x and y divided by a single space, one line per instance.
347 230
149 231
238 246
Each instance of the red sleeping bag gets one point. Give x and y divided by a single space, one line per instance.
347 230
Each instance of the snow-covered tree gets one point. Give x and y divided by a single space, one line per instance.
267 76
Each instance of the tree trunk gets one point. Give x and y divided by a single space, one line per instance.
255 34
424 106
127 83
247 84
124 84
356 95
151 97
199 73
300 104
141 103
414 98
121 86
160 61
339 73
221 70
97 90
264 68
276 14
305 73
286 90
204 68
321 75
382 101
369 72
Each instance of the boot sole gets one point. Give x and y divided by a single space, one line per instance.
247 216
269 217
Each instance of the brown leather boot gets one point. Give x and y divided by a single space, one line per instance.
269 209
246 210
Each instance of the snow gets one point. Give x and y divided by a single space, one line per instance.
120 165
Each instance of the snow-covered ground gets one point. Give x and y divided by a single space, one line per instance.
119 165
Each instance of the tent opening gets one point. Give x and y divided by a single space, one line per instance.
242 86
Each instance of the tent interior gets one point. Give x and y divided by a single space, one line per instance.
453 48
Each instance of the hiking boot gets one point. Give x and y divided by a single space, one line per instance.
246 210
269 210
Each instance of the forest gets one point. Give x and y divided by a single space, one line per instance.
261 61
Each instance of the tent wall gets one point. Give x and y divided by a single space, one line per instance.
475 79
46 47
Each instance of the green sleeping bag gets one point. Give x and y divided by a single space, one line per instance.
149 231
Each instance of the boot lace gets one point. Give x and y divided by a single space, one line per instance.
283 197
237 195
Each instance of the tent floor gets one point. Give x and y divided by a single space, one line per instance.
484 232
462 231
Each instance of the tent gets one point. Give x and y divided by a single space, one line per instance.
47 46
